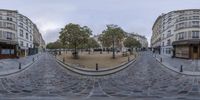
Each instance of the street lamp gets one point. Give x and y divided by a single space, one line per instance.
113 42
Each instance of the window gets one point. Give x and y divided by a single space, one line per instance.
195 23
21 18
30 38
168 33
21 25
195 34
9 36
10 26
168 51
163 44
26 35
1 33
180 36
195 17
1 24
21 33
21 43
9 19
26 44
168 42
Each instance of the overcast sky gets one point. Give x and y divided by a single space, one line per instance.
133 16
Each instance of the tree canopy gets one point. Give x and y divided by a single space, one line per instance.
74 36
92 43
54 45
131 42
112 32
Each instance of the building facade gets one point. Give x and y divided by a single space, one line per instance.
156 36
142 39
16 34
38 41
8 34
25 35
179 32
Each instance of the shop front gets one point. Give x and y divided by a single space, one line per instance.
8 50
188 49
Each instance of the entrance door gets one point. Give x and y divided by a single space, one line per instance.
195 52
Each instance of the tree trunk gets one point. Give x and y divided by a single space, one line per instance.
75 53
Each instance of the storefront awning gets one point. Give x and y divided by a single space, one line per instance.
186 42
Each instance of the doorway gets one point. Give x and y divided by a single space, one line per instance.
195 52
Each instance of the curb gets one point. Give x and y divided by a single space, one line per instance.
94 72
20 70
188 73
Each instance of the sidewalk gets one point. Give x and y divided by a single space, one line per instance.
190 67
9 66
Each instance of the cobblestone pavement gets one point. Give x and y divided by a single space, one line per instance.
8 66
191 65
143 80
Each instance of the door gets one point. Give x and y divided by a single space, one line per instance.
195 52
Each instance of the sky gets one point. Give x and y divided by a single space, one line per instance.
132 15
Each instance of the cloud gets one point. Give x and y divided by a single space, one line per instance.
131 15
52 35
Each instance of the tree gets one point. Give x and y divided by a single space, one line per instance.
131 43
54 45
92 43
74 36
112 36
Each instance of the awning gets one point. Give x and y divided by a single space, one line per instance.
186 42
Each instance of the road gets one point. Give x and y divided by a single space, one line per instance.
146 79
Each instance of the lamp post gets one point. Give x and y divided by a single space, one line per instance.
113 48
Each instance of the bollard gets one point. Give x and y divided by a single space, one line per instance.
161 59
181 68
128 58
20 65
63 59
33 59
97 67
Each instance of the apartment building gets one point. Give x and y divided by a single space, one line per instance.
142 39
38 41
25 35
156 36
8 33
179 33
16 34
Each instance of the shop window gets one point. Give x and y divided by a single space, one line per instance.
195 49
7 51
168 51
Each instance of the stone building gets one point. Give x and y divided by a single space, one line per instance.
179 33
16 34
